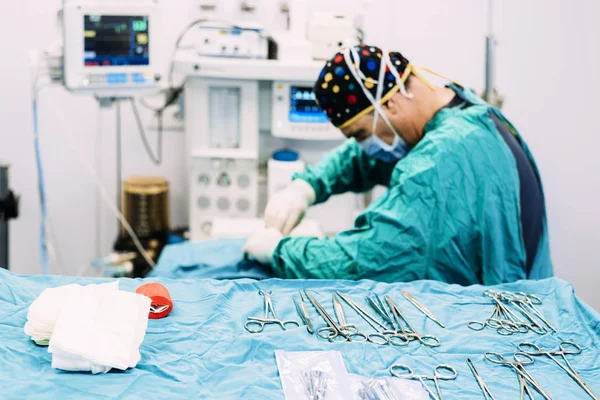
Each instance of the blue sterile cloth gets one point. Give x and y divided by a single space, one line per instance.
215 259
202 351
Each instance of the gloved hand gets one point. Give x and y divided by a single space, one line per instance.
286 208
262 244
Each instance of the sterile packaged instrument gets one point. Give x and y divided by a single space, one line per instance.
386 388
313 375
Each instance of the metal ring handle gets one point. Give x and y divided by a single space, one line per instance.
363 337
529 348
409 372
404 342
504 331
496 358
330 333
476 325
567 344
384 339
248 324
442 375
289 322
429 340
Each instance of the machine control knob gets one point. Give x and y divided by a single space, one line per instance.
224 180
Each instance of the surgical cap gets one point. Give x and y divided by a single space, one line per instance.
340 96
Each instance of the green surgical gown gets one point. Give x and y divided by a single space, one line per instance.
451 211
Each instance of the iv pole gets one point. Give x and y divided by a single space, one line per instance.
490 93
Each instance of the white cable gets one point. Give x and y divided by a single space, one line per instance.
105 196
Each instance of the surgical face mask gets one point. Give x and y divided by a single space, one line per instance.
377 148
373 145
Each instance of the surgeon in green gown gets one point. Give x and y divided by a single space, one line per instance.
464 201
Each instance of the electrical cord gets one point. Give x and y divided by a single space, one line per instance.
173 91
44 243
158 158
103 192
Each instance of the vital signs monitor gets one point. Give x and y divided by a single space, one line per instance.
110 46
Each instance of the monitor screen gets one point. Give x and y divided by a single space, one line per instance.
116 40
303 107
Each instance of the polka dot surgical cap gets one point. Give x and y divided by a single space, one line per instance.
338 93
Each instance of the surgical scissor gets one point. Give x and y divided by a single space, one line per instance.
333 331
266 320
439 373
565 348
409 333
521 359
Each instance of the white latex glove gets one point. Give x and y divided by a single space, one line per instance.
262 244
286 208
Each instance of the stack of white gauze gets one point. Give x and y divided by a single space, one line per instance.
90 328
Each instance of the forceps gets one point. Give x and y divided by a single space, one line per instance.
382 331
564 349
439 373
521 359
504 320
525 389
525 303
348 332
486 391
261 322
378 306
410 333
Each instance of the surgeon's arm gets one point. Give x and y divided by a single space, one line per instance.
346 169
389 242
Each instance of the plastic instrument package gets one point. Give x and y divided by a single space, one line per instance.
313 375
388 388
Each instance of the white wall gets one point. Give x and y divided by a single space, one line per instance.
548 56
